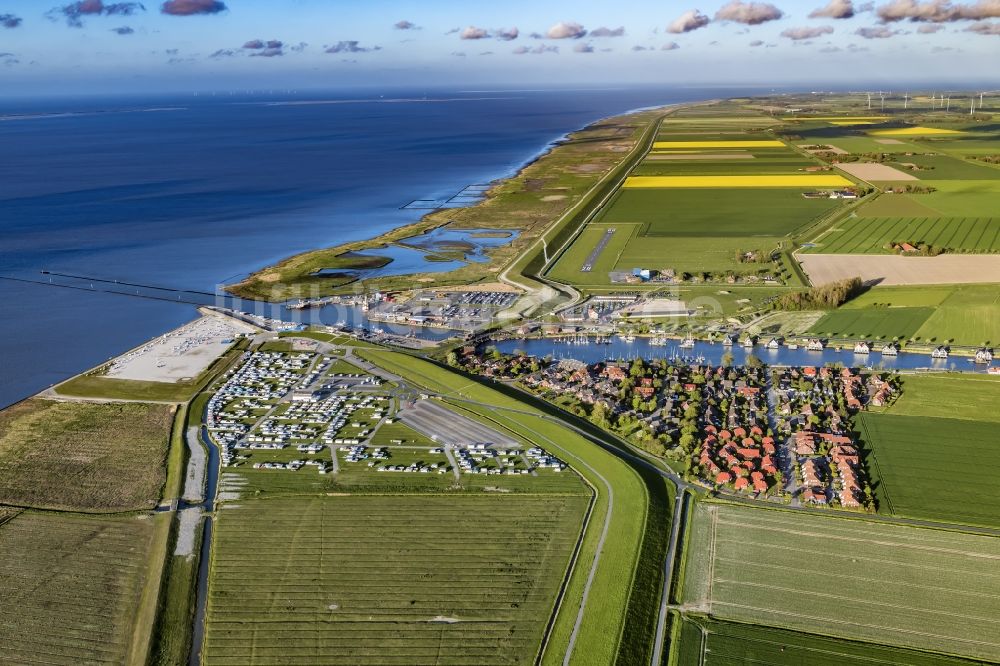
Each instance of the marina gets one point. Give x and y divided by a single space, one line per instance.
593 350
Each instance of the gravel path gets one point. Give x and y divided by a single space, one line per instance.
194 483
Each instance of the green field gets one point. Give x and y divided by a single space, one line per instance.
960 314
734 644
944 167
83 456
688 230
949 395
866 235
388 580
715 213
636 526
567 268
924 467
953 198
875 323
70 588
849 578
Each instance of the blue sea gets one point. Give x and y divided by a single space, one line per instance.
190 192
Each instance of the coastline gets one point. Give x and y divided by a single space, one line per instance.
269 278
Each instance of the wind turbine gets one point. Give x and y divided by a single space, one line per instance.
883 100
980 100
906 100
869 101
948 108
972 106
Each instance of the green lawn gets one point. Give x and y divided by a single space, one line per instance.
735 644
71 588
909 587
392 579
949 395
84 456
925 467
867 235
876 323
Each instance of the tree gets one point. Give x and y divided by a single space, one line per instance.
754 362
727 359
452 358
599 415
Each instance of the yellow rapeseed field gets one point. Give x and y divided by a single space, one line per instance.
914 131
843 123
832 119
791 180
682 145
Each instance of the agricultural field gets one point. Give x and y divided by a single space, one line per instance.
388 579
872 323
920 466
899 270
715 214
620 626
949 395
944 167
849 578
84 456
914 131
961 314
689 230
723 144
801 181
952 198
714 643
70 587
866 235
706 195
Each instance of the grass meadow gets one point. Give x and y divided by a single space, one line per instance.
84 456
875 323
952 198
567 268
849 578
959 314
388 579
949 395
70 587
925 467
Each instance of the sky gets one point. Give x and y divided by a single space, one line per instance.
114 46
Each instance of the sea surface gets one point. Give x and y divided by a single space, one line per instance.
190 192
